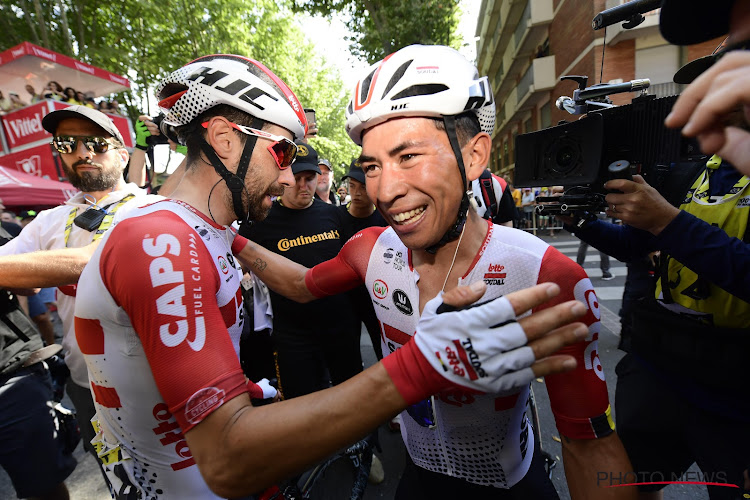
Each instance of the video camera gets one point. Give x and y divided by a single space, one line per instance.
609 142
167 132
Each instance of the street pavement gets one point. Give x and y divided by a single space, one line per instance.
86 482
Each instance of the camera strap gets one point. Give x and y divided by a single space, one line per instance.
106 220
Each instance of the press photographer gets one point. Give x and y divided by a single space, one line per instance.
681 392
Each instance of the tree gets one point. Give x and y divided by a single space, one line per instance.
146 40
380 28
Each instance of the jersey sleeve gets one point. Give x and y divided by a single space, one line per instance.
348 269
578 398
174 312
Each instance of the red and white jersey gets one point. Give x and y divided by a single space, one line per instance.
483 439
158 319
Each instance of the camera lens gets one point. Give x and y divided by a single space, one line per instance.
565 156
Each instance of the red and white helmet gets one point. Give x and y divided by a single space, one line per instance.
419 80
227 79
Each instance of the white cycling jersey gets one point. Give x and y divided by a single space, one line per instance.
483 439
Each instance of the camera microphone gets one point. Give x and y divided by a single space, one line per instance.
565 103
614 88
623 12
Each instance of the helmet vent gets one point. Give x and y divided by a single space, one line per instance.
416 90
397 76
366 86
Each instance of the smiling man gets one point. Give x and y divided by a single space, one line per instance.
91 150
423 117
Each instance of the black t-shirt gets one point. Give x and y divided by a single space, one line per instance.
308 237
14 349
353 225
12 228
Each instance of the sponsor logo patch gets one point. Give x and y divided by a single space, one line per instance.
388 256
495 275
223 265
380 289
202 403
402 303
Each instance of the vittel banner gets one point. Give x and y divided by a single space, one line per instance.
25 125
35 160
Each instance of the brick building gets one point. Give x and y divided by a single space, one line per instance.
525 46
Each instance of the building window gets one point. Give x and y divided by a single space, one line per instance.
658 64
545 115
528 125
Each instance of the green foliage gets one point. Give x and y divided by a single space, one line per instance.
382 27
145 40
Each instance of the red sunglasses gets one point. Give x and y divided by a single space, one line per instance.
282 149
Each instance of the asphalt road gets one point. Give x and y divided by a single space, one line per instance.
86 482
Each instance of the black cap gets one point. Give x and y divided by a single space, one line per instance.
52 120
685 22
355 171
27 214
307 158
694 69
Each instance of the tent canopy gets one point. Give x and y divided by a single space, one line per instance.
18 189
29 64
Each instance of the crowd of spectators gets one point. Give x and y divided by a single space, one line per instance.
53 90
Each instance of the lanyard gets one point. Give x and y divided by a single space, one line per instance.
106 222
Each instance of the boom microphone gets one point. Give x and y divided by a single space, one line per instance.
623 12
615 88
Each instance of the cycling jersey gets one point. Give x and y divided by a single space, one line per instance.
483 439
158 319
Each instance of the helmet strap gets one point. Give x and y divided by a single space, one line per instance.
235 181
457 228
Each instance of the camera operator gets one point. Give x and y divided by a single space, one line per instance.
681 391
148 135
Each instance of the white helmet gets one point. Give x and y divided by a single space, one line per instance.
420 80
227 79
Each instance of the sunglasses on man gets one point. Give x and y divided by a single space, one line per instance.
282 149
69 143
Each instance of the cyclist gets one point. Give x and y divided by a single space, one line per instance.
159 314
423 118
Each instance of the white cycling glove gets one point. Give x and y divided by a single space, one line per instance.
262 389
480 348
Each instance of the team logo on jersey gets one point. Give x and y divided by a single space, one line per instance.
495 275
203 232
388 256
583 291
202 403
399 263
181 322
744 202
380 289
223 265
402 303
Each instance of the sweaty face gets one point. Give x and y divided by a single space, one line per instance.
301 194
413 178
87 171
